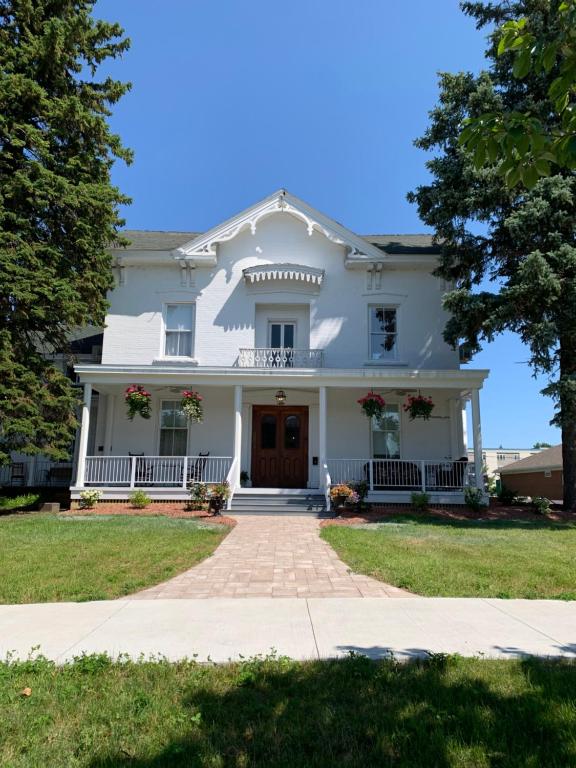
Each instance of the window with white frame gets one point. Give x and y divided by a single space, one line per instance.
281 334
386 434
173 429
383 333
179 325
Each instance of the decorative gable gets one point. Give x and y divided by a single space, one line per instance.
296 272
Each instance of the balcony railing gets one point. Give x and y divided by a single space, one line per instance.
401 474
155 471
280 357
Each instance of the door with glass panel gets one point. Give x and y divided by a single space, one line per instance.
281 337
279 446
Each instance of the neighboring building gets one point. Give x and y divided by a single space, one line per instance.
496 458
278 303
537 475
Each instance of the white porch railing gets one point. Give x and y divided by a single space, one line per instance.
282 357
36 471
401 474
160 471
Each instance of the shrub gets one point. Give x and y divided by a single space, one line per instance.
89 498
506 495
541 504
18 502
198 496
219 493
139 499
474 499
420 500
361 488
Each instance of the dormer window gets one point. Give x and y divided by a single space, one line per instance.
179 325
383 333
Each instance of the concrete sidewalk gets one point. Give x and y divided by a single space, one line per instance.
222 629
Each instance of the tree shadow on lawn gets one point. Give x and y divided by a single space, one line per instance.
479 524
356 712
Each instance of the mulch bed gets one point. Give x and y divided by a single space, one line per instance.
163 508
496 511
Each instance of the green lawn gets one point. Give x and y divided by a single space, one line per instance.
463 559
46 557
352 713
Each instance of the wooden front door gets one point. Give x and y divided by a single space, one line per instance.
279 446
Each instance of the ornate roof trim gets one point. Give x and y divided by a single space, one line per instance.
280 202
283 272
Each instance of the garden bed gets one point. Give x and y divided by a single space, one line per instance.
175 509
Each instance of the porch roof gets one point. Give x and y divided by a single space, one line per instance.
182 375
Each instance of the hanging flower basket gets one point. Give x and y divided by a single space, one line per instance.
192 405
138 401
419 407
372 405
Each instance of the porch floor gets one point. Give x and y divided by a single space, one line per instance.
272 557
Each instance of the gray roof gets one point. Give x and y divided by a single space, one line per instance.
152 240
551 458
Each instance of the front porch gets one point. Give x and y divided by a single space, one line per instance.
311 438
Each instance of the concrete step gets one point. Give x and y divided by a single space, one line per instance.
277 504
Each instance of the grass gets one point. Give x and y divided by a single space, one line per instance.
463 559
11 503
447 712
48 558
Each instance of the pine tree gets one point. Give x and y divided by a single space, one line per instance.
520 244
58 209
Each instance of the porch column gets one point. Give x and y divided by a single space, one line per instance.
322 422
477 438
83 442
110 403
237 434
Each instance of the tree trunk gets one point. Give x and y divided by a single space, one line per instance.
568 424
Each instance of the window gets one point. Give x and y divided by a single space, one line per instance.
383 333
386 434
173 429
179 321
282 335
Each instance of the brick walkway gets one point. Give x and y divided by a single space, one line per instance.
272 557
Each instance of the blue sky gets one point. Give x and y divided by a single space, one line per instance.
233 100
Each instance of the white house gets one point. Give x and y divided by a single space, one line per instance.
279 303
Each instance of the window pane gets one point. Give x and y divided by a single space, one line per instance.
180 418
179 444
383 319
268 432
171 347
292 432
185 345
386 434
166 442
167 414
289 336
179 317
275 335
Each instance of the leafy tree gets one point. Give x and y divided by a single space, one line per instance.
58 209
527 142
508 253
541 445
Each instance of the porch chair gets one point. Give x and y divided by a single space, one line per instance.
196 470
143 468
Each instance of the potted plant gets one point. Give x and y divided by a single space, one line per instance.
219 494
342 494
138 401
418 407
245 479
192 405
372 404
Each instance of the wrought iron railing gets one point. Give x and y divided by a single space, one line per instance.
280 357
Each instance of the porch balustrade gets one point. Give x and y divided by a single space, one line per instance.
32 471
280 357
155 471
401 474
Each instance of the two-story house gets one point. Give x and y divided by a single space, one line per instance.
282 319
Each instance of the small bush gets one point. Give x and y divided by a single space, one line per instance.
139 499
198 496
541 505
18 502
506 495
420 501
89 498
474 499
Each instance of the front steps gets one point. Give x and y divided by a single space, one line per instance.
273 501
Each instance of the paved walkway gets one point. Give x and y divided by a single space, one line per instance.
276 556
223 629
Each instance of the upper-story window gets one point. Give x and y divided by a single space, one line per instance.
282 335
179 329
383 333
